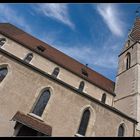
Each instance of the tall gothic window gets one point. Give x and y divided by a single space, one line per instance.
81 86
41 103
28 58
2 41
84 122
103 98
128 61
3 73
121 131
55 72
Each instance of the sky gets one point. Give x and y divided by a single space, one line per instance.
92 33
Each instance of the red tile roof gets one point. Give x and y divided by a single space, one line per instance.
56 56
33 123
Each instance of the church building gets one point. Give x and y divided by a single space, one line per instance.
44 92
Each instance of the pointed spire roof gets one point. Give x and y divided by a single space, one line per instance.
135 32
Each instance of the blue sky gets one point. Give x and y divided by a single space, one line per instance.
92 33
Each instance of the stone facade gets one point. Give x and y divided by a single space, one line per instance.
24 83
63 111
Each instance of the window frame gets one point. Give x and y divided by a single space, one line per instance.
37 100
123 126
56 72
128 61
84 72
3 77
1 41
26 59
81 86
80 123
103 99
40 48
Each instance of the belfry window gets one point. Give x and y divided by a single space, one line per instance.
3 73
81 86
128 61
103 98
55 72
41 103
121 131
2 41
84 122
28 58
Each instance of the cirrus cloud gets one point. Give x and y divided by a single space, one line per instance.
109 13
55 11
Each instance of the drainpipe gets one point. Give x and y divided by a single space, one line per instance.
134 128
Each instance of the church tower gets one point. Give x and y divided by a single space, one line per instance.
127 86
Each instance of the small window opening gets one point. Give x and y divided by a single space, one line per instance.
103 98
84 72
28 58
81 86
128 61
40 48
2 41
55 72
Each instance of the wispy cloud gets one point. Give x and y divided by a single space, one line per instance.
56 11
111 16
104 56
90 55
8 14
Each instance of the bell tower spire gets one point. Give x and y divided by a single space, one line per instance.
127 86
135 32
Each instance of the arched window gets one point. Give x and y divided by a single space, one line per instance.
28 58
121 130
103 98
41 103
128 61
81 86
55 72
84 122
3 73
2 41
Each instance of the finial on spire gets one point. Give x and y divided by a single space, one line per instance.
86 65
137 12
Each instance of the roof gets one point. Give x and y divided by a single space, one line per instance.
33 123
56 56
135 32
